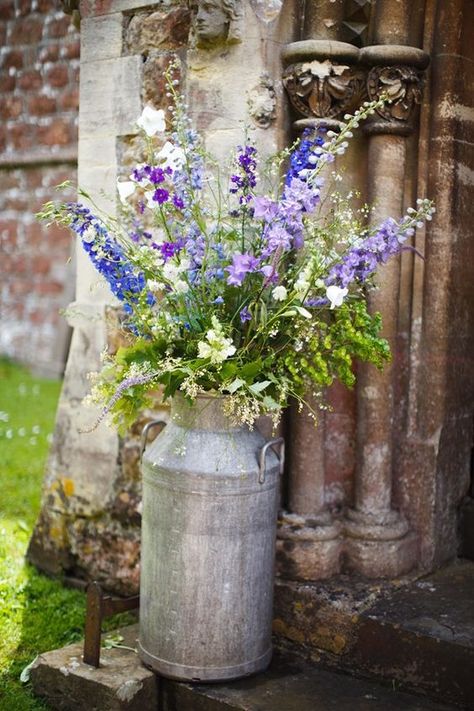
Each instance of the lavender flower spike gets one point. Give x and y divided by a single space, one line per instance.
124 385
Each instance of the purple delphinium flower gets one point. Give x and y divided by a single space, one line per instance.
245 315
241 265
160 195
246 178
108 257
169 249
361 262
178 202
264 208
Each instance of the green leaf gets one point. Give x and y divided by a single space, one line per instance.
258 387
235 385
250 370
303 312
270 403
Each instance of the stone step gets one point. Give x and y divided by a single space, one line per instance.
290 684
420 633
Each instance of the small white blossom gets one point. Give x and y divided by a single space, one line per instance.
173 156
152 121
336 295
279 293
125 189
218 347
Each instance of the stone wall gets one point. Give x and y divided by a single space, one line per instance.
375 490
39 89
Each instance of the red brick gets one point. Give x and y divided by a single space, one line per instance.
26 30
20 287
50 53
69 100
58 235
38 316
19 203
23 7
7 230
22 136
9 179
7 82
49 288
58 133
34 233
11 107
42 264
30 79
41 105
46 5
58 76
13 58
7 9
71 50
59 27
34 177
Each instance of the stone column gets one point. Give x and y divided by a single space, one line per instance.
378 540
309 542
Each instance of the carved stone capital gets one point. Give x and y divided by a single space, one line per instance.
324 89
403 85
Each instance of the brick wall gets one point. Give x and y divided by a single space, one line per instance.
39 90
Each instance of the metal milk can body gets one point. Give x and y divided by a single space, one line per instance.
208 546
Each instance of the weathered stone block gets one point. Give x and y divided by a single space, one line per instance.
101 38
163 29
121 683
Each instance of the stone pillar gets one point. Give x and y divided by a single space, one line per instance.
378 540
309 542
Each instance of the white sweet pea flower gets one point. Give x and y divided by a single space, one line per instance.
173 156
336 295
279 293
125 189
217 348
152 121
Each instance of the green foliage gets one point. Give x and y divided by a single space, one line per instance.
36 612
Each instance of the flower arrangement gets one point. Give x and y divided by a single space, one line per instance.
252 285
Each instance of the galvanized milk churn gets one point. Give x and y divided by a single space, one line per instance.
210 498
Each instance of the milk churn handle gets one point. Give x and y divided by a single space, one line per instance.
145 430
263 454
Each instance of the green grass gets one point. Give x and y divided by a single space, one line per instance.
36 612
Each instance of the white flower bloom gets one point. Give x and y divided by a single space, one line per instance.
155 286
173 156
89 234
279 293
171 271
301 288
152 121
181 287
217 348
336 295
125 189
148 195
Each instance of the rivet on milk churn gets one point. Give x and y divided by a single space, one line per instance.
210 499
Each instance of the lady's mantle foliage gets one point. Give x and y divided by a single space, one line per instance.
241 284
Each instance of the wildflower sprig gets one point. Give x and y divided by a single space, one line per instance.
226 286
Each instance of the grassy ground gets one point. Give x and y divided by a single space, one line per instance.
36 613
